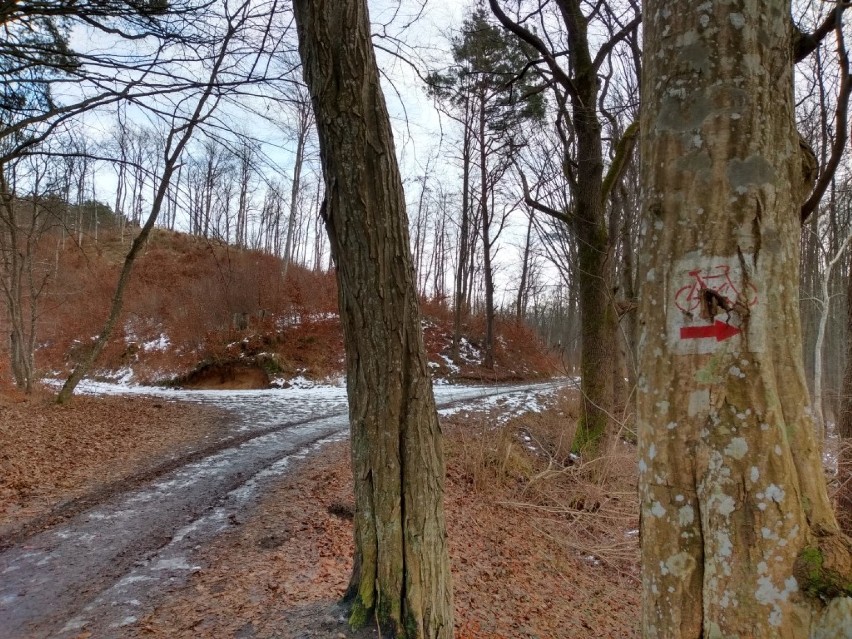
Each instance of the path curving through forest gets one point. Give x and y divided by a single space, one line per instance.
100 565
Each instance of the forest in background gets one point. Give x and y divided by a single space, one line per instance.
200 312
538 156
481 197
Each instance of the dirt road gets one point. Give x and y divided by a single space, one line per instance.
104 566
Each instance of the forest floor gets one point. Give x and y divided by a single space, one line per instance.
540 546
54 459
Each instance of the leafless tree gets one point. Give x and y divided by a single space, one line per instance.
401 576
227 63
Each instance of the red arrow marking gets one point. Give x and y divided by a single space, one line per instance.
720 330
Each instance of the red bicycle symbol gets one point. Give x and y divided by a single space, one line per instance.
717 279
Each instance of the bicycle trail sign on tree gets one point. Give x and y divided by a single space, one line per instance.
712 302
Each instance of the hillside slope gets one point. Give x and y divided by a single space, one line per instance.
203 314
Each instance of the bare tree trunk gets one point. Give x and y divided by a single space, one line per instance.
420 236
587 218
461 299
175 143
301 139
485 221
844 463
520 304
13 266
440 253
401 575
173 198
246 156
121 178
825 311
594 272
474 258
738 535
19 234
81 168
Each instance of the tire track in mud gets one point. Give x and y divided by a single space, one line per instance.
67 509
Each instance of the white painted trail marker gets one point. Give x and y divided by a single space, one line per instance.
712 299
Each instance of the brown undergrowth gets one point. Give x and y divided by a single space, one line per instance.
589 508
193 302
541 546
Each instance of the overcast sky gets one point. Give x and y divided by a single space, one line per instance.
419 35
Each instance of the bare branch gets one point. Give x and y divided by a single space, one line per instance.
540 206
610 44
805 44
841 119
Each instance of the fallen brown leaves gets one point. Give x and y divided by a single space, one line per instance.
519 573
212 302
292 551
50 454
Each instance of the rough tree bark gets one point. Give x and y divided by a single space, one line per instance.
587 217
738 535
401 575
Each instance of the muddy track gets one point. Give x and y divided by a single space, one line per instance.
17 534
96 563
50 580
67 509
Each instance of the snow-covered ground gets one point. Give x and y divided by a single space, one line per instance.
269 407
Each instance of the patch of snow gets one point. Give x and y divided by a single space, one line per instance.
448 362
287 321
125 622
301 382
176 563
511 403
469 353
160 343
122 376
75 624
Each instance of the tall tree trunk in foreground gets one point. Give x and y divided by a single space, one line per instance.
738 535
401 574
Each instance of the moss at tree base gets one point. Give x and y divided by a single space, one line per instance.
589 437
359 614
817 578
